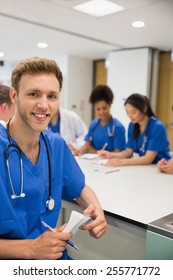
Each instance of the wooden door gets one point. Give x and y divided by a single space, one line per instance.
165 94
100 75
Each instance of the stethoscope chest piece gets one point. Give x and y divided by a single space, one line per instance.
50 204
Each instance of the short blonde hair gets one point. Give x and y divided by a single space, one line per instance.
34 65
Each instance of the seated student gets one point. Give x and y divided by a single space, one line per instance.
165 166
105 131
146 136
38 170
70 126
6 106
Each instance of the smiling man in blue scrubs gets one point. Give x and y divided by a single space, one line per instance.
38 170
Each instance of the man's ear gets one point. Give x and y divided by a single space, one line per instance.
13 95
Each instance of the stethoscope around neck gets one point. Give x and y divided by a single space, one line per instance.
145 138
50 203
111 132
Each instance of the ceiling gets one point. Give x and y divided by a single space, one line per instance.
23 23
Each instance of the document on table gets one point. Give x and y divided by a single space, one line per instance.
75 221
94 158
100 161
89 156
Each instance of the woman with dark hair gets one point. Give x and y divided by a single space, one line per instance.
146 136
105 131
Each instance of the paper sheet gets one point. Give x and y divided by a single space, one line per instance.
76 220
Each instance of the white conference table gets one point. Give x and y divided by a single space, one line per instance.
139 193
131 197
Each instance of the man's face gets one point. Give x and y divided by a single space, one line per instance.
37 100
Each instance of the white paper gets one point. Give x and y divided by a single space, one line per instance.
89 156
100 161
76 220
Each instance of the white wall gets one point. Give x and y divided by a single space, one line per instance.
129 72
5 71
78 87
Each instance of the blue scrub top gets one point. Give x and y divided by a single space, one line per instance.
156 140
55 128
21 218
112 133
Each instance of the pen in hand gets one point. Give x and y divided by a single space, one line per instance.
53 230
104 146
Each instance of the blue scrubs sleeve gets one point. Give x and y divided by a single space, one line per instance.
90 131
157 138
119 139
73 177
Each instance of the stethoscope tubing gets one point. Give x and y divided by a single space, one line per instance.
145 138
110 133
50 202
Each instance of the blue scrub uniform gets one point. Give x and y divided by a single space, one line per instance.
55 128
21 218
153 138
112 133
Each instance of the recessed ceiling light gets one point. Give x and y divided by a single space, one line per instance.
42 45
1 54
138 24
98 8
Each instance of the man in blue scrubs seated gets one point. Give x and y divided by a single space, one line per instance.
105 131
6 106
38 169
146 136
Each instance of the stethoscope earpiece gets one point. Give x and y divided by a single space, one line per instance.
14 196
